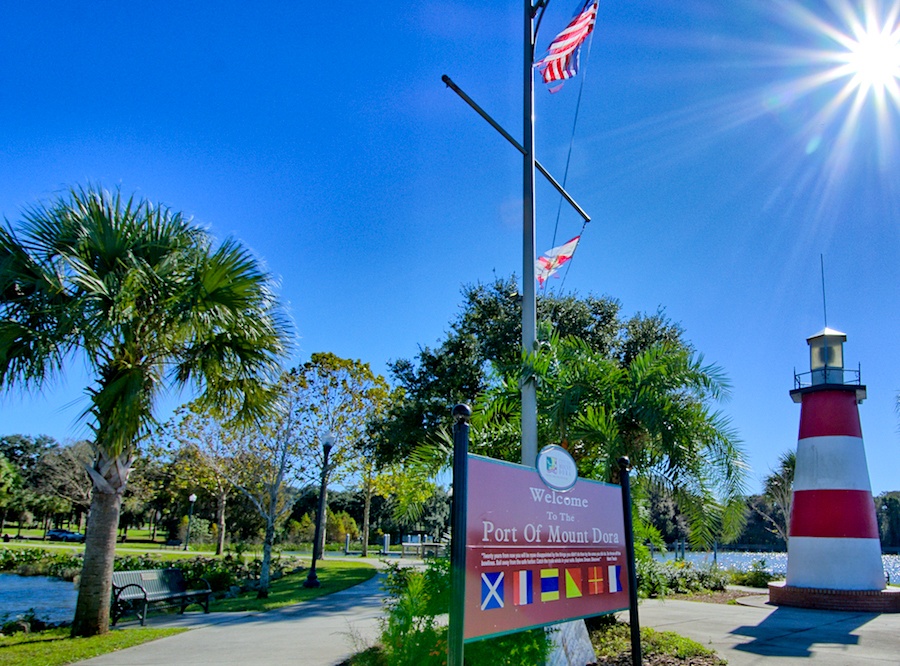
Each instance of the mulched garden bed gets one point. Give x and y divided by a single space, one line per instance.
717 597
662 660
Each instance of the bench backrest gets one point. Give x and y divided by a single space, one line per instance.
154 581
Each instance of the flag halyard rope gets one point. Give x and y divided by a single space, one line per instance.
583 73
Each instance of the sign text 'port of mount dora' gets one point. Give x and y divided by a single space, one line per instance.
536 556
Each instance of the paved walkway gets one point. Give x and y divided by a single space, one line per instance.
321 632
327 630
757 634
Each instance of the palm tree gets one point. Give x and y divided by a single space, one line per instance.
653 409
778 493
148 302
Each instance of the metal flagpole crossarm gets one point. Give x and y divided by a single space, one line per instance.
518 146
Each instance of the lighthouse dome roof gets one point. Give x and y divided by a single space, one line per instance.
829 332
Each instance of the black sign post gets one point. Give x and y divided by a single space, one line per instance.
624 469
455 646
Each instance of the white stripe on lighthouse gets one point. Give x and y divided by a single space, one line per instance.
837 462
845 564
833 541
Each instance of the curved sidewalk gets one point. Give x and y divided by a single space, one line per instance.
757 634
321 632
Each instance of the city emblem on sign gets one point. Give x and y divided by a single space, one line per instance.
557 468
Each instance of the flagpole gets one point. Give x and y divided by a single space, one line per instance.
515 144
529 307
529 316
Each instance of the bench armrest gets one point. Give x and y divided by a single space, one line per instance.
118 590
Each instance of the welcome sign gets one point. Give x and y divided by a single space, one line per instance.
540 552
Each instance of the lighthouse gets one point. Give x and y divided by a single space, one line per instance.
834 553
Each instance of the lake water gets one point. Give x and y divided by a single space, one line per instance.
52 599
776 563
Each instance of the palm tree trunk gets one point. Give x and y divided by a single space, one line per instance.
110 476
95 584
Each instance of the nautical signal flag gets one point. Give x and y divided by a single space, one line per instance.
552 260
492 590
523 588
549 584
564 52
615 578
595 580
573 584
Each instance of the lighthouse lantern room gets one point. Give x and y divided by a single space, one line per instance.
826 356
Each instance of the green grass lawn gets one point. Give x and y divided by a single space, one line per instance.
55 647
52 647
334 576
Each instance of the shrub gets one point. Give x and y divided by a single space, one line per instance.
221 573
758 576
138 562
411 633
65 565
12 559
656 579
612 640
651 579
40 562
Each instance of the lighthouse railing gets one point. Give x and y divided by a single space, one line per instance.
828 376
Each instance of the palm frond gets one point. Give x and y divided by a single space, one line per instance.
143 293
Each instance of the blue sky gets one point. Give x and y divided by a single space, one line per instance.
716 154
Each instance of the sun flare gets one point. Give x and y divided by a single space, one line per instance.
873 59
848 60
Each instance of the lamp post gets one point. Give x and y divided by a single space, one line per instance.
187 539
312 580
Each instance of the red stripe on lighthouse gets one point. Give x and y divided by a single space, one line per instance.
826 413
833 514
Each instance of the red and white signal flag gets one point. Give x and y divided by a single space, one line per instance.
553 259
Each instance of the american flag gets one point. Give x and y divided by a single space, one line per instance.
561 61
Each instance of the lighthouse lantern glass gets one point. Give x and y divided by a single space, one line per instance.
826 359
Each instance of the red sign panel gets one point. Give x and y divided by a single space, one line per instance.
536 556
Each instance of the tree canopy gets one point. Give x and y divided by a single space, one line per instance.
655 411
484 343
607 386
149 301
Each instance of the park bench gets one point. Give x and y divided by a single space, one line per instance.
135 591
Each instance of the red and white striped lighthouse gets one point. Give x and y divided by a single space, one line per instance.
833 537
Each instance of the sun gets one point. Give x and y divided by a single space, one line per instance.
872 58
847 74
858 48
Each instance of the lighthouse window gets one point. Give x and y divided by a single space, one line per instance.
826 355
